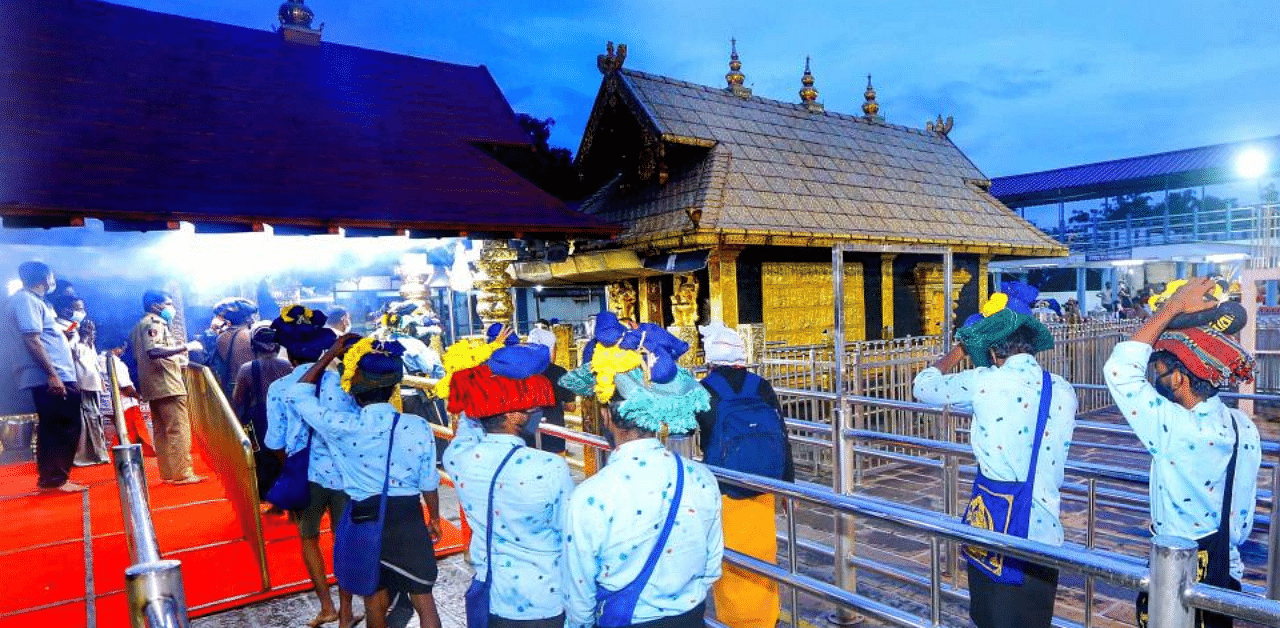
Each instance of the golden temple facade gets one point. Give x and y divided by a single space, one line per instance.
755 191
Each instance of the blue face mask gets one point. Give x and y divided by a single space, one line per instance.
167 313
1163 388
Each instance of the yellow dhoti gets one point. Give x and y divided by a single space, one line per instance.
744 599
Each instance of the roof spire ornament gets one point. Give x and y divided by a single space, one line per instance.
871 109
295 23
735 77
611 61
939 127
808 94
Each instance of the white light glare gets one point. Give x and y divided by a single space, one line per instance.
1223 258
1129 262
14 286
1252 163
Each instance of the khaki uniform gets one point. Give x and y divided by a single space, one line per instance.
160 383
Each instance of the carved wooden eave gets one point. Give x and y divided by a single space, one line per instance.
675 242
617 91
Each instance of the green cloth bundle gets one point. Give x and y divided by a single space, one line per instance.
978 337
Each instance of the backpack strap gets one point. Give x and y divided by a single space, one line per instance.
720 385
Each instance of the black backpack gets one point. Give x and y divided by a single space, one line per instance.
748 434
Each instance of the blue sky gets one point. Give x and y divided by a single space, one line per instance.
1032 85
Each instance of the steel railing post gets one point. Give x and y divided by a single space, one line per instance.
1173 570
155 594
1273 538
841 478
140 533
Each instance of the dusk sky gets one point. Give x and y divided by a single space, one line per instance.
1032 85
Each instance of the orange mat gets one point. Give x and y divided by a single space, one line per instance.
50 573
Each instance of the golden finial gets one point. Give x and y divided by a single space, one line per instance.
942 128
295 23
809 95
871 109
735 77
612 61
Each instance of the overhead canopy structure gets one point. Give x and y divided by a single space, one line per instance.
144 119
1174 170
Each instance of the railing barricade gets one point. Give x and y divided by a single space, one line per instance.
153 585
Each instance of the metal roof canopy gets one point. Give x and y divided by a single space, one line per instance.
1173 170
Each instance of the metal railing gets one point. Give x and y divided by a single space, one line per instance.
1252 222
153 585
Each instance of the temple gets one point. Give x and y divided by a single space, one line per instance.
743 196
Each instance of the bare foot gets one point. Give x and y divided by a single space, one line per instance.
67 487
353 621
190 479
323 618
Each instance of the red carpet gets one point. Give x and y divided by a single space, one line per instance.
43 554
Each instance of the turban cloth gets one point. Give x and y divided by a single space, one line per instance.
371 364
980 335
723 345
480 393
1209 355
302 333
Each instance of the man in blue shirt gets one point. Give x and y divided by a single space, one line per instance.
617 518
43 366
1194 439
530 488
359 443
305 338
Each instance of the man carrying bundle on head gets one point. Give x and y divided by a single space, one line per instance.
513 496
305 338
1204 455
388 464
1023 418
643 537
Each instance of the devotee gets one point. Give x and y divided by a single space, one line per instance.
744 409
232 349
339 320
1017 406
161 358
305 338
249 399
565 399
382 455
132 414
44 367
1204 455
647 503
92 446
513 496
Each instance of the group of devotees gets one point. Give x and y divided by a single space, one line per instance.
640 542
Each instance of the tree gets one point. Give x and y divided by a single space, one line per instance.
550 168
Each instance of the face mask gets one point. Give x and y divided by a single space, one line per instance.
78 316
167 313
530 427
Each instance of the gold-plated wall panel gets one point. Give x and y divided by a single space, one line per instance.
799 302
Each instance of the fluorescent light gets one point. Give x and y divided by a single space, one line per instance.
1128 262
1221 258
1252 163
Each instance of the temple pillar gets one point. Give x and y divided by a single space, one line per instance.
565 354
722 273
886 295
984 286
650 300
493 304
930 283
753 336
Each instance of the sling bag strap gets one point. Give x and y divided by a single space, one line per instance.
488 533
1224 525
1042 421
652 562
386 482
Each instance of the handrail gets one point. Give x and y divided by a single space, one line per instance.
153 586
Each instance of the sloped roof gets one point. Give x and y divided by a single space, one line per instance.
776 168
120 113
1173 170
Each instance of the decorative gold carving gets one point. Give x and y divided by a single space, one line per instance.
799 302
871 108
493 304
929 286
611 61
886 295
984 278
689 334
753 335
684 301
622 299
940 127
565 355
735 78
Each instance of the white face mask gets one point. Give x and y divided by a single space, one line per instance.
78 316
